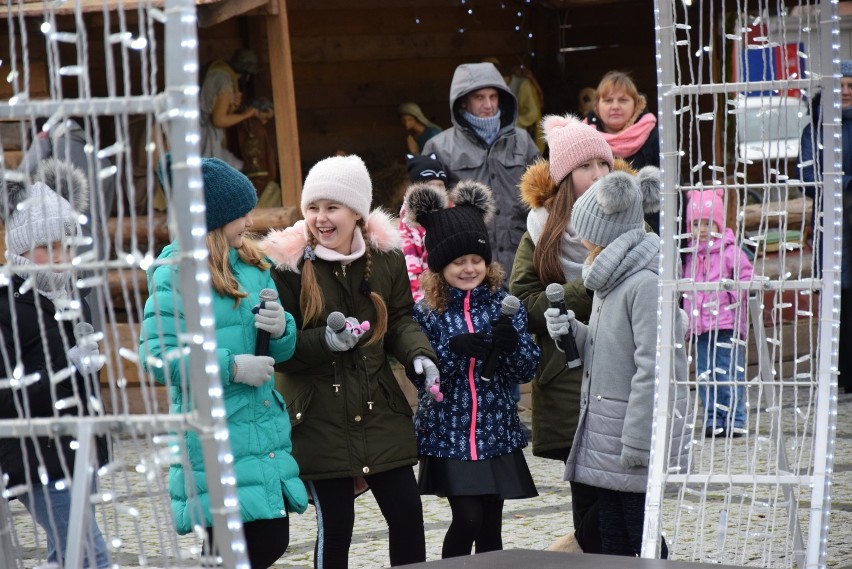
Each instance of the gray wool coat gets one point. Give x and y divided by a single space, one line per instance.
499 166
617 392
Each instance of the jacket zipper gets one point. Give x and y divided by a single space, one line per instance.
471 380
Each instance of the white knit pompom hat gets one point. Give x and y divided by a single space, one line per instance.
342 179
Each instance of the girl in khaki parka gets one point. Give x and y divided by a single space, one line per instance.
551 252
352 425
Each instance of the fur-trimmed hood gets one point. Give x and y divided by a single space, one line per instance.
538 187
286 247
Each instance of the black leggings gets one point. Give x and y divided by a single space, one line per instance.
266 541
399 501
476 519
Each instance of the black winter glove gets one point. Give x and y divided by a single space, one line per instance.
476 345
505 338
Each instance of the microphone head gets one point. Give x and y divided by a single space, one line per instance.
336 321
555 292
268 295
83 329
511 305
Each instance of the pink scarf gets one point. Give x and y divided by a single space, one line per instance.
630 140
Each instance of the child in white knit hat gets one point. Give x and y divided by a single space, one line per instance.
41 343
351 421
612 443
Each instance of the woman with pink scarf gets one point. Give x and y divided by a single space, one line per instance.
622 117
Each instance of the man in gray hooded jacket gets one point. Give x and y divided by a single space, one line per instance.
485 145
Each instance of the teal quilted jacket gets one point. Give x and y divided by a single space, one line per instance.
268 484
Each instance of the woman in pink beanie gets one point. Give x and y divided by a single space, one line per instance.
551 252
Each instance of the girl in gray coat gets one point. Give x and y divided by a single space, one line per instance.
612 444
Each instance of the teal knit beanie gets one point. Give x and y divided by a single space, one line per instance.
228 192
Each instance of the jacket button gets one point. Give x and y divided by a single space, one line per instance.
598 397
298 415
272 455
366 470
266 403
357 418
283 512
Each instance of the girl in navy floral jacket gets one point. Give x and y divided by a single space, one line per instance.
469 434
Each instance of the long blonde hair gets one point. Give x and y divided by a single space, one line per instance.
436 289
312 300
222 277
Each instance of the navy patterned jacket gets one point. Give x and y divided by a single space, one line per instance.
477 419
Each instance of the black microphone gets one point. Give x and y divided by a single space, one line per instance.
261 348
508 309
556 295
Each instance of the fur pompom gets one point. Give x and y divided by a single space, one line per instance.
649 184
66 180
553 122
382 233
537 185
469 192
616 192
16 192
423 199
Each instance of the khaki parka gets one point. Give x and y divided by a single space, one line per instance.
350 417
555 387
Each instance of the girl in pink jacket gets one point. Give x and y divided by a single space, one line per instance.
717 318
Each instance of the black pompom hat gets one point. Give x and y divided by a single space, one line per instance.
456 231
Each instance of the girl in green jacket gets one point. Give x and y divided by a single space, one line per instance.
352 425
267 476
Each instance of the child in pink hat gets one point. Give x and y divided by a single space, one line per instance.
717 318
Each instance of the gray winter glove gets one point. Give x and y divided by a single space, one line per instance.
633 457
271 318
87 359
346 339
559 324
253 370
424 366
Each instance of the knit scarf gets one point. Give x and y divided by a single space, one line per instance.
631 252
487 128
49 284
573 252
630 140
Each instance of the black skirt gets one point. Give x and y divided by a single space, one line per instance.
507 476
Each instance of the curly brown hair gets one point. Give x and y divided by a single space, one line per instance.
436 289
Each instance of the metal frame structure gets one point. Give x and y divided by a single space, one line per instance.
809 551
176 108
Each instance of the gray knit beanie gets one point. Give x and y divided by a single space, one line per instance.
341 179
610 208
35 215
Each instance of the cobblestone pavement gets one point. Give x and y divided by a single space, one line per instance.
528 524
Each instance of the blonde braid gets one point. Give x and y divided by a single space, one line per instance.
311 300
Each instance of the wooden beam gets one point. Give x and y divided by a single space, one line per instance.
284 96
37 8
213 14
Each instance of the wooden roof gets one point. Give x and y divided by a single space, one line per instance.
210 12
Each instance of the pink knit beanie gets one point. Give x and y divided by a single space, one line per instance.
572 143
708 205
